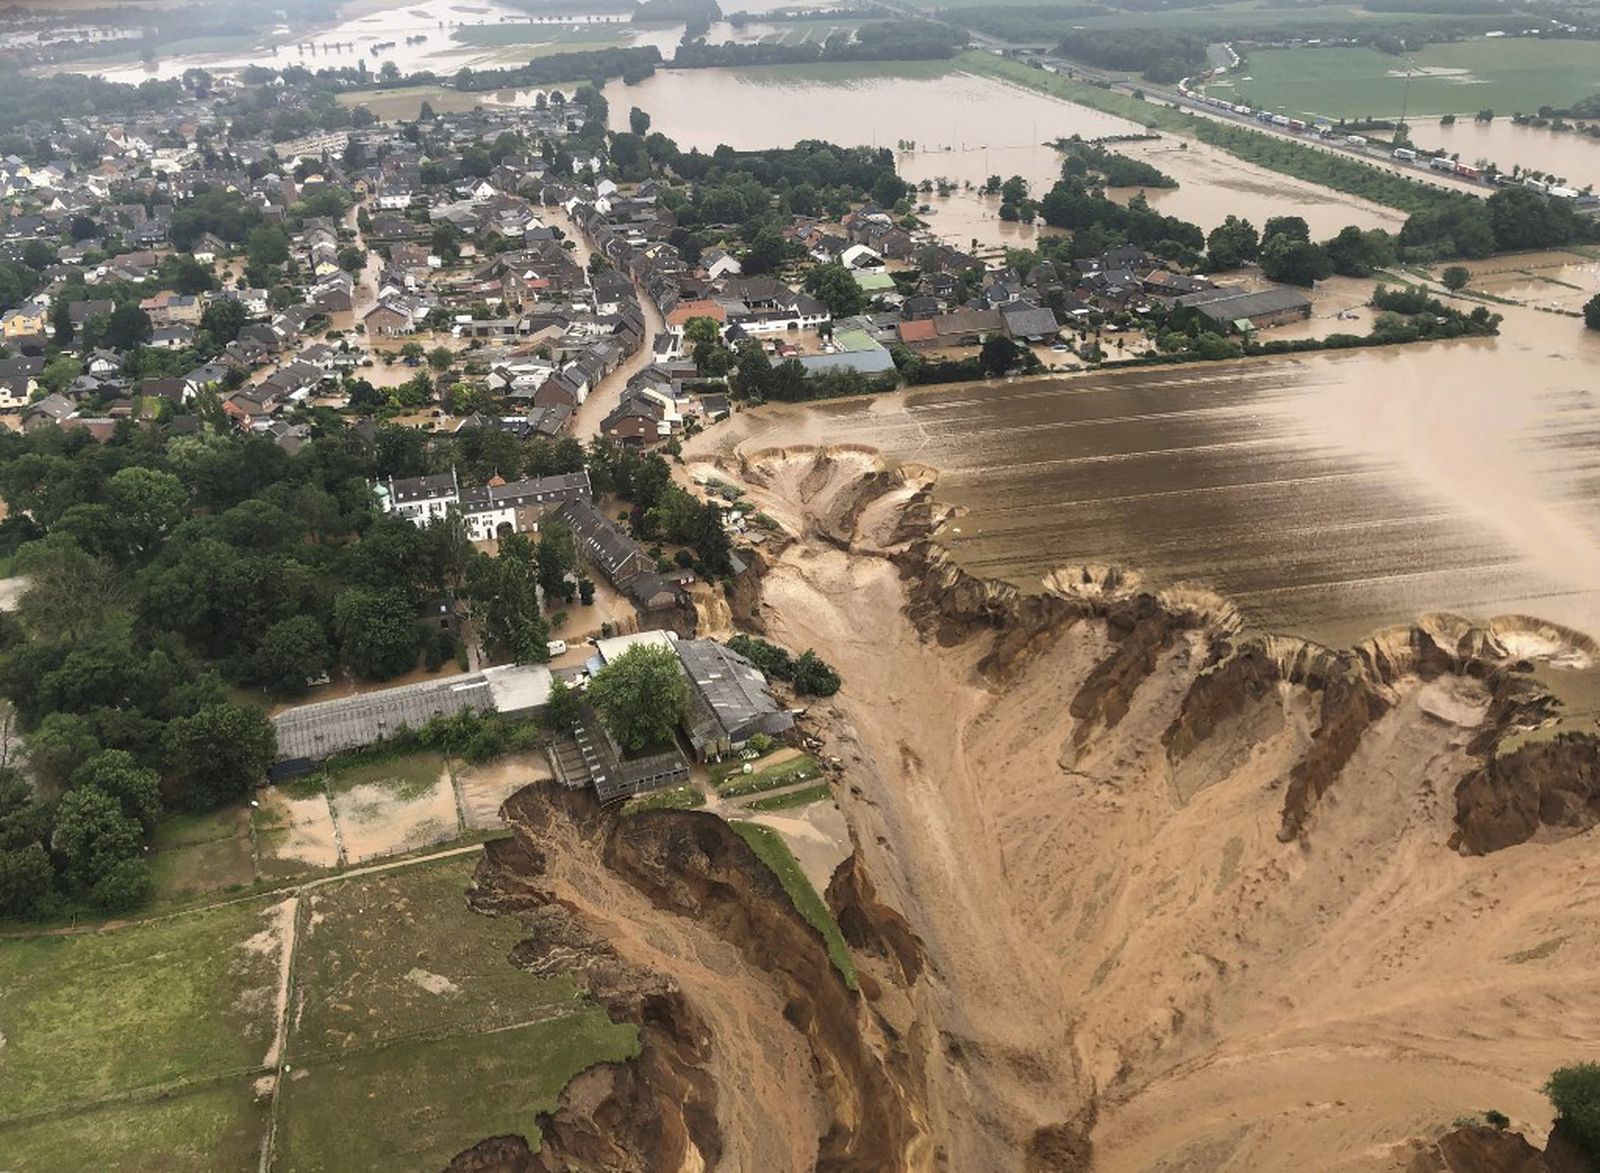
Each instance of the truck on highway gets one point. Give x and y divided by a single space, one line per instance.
1442 163
1355 140
1405 154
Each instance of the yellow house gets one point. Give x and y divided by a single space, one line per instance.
26 321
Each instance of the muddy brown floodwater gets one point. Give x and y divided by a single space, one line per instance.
1326 495
963 128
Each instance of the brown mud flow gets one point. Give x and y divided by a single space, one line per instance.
1132 889
1327 496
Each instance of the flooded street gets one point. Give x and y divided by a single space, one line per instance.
963 128
1326 495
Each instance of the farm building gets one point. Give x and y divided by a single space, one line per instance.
728 699
308 734
1240 310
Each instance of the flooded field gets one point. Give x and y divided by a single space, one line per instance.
963 128
1326 495
1573 157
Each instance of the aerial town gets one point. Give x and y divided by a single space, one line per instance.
623 585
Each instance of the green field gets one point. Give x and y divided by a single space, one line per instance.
408 1034
1045 20
105 1014
1505 75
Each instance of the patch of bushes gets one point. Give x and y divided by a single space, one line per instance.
809 675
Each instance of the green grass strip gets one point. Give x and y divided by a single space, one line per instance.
775 853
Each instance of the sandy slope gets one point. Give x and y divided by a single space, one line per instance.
1122 942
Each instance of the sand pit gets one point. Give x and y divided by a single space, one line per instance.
484 788
385 817
1120 960
294 831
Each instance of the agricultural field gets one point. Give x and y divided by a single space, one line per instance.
354 814
1040 21
155 1045
1505 75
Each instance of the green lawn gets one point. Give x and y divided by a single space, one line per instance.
154 1004
199 1131
805 796
415 1104
774 852
733 784
411 1035
675 798
373 946
1506 75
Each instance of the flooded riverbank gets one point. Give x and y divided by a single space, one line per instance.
963 128
1326 495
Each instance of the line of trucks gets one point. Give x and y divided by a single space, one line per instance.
1325 130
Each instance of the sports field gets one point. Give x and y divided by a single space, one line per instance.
1506 75
370 1022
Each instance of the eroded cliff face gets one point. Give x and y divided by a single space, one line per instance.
1211 871
1132 888
753 1049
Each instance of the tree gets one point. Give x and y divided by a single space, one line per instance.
61 319
128 327
147 503
1014 190
376 631
1455 277
220 753
1591 312
1294 227
1294 262
440 358
223 319
1232 243
836 287
813 677
638 122
292 652
565 706
557 557
26 878
766 252
58 375
505 596
1575 1093
641 696
267 246
352 258
117 773
93 836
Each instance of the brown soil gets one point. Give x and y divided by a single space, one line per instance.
1187 894
755 1055
1132 888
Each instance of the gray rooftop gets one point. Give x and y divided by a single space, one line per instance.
310 733
729 701
1229 305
